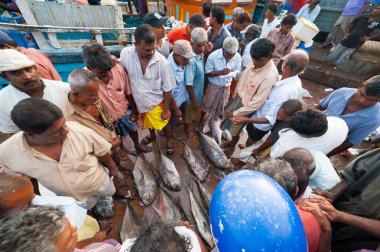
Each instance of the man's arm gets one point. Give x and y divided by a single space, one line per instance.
167 100
319 107
132 103
335 192
344 146
364 8
193 99
244 120
218 72
108 162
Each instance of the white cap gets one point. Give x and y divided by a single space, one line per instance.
13 60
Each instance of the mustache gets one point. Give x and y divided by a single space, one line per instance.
30 81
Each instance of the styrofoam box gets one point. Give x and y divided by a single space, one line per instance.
305 30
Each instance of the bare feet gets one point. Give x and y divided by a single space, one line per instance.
147 140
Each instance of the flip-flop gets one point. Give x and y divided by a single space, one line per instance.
147 140
170 151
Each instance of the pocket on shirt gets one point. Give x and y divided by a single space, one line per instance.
157 84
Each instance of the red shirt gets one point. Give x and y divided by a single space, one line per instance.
178 34
297 5
312 229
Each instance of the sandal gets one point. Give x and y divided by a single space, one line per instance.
170 151
147 140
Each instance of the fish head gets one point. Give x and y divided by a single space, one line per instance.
148 194
227 164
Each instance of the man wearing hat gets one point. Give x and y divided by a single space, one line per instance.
250 33
178 59
158 22
44 66
25 82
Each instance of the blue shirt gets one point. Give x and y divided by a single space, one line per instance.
217 62
195 76
179 93
360 123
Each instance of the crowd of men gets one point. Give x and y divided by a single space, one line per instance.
67 137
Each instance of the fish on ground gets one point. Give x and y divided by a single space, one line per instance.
204 195
206 126
216 131
196 162
201 220
226 135
214 152
145 181
132 224
169 174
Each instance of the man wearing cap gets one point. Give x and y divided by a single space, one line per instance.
251 33
163 45
44 66
25 82
178 59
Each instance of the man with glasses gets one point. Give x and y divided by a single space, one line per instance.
359 108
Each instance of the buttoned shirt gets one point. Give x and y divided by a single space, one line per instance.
217 62
114 93
195 76
283 44
360 123
147 89
282 90
307 14
324 175
254 86
103 128
44 66
78 173
246 57
217 41
178 33
54 91
180 92
335 135
268 27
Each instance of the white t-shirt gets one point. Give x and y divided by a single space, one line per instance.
268 27
335 135
324 175
54 91
246 58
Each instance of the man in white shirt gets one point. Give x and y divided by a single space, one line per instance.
250 34
25 82
270 21
310 11
152 82
311 129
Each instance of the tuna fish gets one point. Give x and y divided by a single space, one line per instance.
204 195
214 152
226 135
132 224
215 130
206 126
169 173
197 163
165 209
145 182
201 220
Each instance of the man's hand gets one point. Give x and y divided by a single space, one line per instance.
134 116
116 142
318 213
363 39
208 48
165 114
239 120
100 236
177 112
255 153
229 115
114 60
195 105
225 71
331 212
321 192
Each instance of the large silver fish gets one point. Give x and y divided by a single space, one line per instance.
226 135
145 181
132 224
204 195
169 173
214 152
216 131
201 220
197 163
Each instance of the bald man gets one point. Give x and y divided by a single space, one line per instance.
322 172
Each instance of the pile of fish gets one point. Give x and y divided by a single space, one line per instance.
197 163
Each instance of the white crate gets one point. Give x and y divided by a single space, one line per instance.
305 30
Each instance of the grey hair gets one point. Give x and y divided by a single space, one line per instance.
199 35
79 78
372 86
230 45
237 11
297 61
282 172
33 229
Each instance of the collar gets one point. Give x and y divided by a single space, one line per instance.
268 65
173 64
152 61
292 79
365 112
198 57
220 31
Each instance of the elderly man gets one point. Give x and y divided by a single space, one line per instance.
184 32
321 171
359 108
288 87
311 129
152 82
25 82
310 11
194 80
250 35
163 45
65 157
222 65
252 89
282 37
44 66
218 31
114 91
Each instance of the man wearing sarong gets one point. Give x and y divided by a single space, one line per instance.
152 82
252 90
